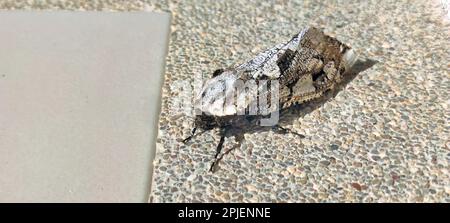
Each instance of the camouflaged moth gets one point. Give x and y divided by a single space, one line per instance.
302 69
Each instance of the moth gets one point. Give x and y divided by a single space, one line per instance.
290 73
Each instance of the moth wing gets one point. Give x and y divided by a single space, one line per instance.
265 64
256 62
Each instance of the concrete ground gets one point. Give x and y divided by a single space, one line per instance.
384 138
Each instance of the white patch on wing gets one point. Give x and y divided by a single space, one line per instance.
216 97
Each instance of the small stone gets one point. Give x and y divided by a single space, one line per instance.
250 187
225 197
357 186
325 162
291 169
191 177
375 158
334 147
283 196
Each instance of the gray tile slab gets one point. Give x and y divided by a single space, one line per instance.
79 104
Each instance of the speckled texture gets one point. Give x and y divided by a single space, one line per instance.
384 138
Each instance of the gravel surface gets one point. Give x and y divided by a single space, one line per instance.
384 138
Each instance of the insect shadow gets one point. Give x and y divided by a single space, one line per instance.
289 115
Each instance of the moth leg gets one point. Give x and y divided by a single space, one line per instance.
283 130
190 137
218 150
217 160
239 139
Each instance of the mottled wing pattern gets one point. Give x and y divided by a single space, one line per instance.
324 60
265 63
307 66
266 66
